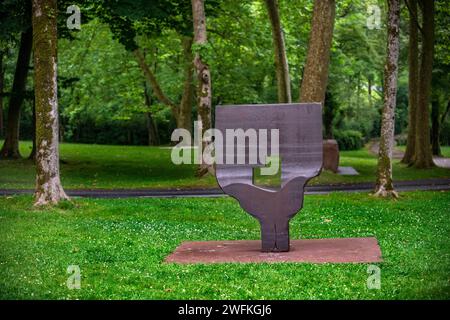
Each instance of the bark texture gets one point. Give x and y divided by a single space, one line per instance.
32 155
48 184
329 113
384 186
152 131
10 149
423 156
281 61
413 81
435 128
184 116
204 94
315 76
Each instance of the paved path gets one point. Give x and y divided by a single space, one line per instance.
426 184
441 162
374 146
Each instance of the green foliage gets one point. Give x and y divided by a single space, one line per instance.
105 102
15 17
205 51
357 62
349 139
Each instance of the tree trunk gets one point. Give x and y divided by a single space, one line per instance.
2 84
413 82
384 186
435 128
182 112
204 94
32 155
315 77
281 61
151 79
423 156
153 138
48 184
328 115
184 117
10 148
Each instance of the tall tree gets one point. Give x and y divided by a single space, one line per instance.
32 155
384 186
281 61
185 108
440 103
423 157
413 81
204 94
152 130
435 127
315 76
10 149
48 185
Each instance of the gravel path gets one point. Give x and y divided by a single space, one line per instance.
441 162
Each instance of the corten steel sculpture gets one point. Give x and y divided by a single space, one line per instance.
300 151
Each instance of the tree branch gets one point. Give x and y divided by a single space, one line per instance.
414 16
150 77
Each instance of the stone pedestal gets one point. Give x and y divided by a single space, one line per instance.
340 250
330 155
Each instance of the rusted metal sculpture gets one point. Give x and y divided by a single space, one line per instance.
300 150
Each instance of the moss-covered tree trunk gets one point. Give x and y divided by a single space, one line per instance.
152 130
315 76
281 61
413 81
48 184
32 155
329 113
384 186
435 128
204 94
423 157
10 149
184 117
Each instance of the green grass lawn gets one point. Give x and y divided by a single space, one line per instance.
101 166
120 245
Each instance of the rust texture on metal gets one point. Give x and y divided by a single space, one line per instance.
300 152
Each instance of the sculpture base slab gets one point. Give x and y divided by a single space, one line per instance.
340 250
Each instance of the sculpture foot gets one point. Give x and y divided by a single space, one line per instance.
275 236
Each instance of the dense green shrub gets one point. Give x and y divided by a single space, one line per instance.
349 139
